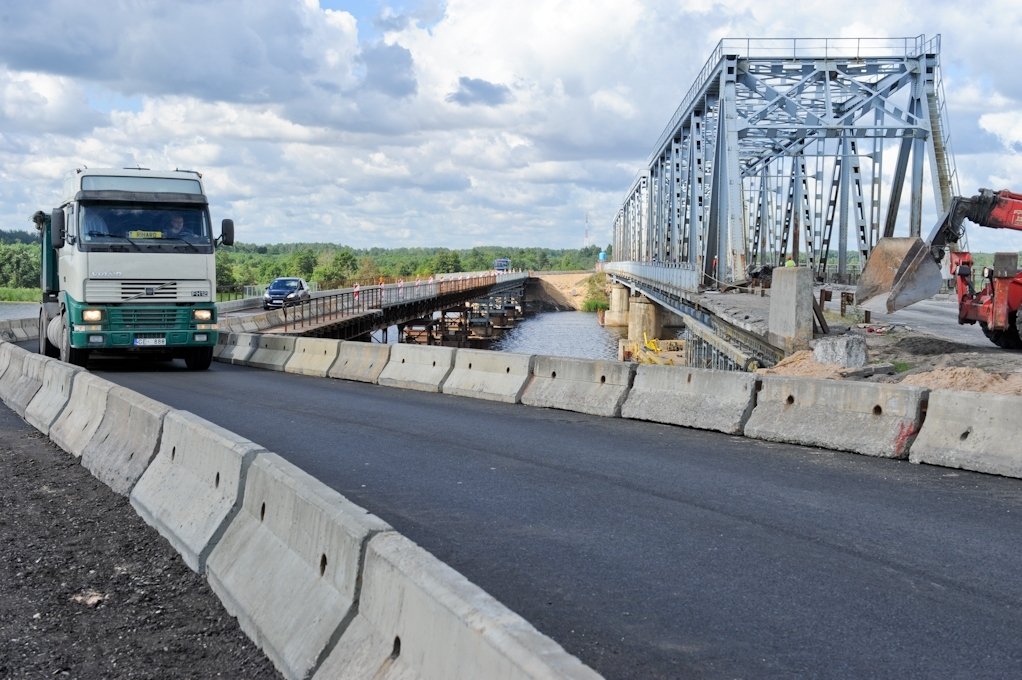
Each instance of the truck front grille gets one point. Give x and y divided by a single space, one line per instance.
129 290
135 318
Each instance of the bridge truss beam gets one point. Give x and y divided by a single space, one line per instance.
780 141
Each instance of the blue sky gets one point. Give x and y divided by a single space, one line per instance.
458 123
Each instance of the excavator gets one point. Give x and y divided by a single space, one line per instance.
903 271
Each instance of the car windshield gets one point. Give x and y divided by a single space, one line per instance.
284 284
174 228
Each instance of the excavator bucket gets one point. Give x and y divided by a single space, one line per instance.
898 273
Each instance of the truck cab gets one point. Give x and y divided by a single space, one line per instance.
129 266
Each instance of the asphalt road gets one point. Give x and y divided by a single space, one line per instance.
938 317
654 551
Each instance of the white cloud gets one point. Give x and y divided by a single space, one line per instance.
479 121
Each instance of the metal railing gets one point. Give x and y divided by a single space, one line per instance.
360 300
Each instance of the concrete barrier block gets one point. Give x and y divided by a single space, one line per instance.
271 319
360 361
239 348
975 431
313 356
418 367
418 618
288 564
482 374
583 385
52 396
193 485
874 419
223 341
22 379
7 350
126 440
691 397
271 352
77 423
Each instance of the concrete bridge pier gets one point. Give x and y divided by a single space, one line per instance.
644 318
617 315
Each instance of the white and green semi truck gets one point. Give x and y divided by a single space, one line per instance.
129 266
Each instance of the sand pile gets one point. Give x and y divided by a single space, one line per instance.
802 364
967 379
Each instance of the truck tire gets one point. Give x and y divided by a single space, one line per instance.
69 354
46 347
199 358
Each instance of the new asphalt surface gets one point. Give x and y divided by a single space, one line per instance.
655 551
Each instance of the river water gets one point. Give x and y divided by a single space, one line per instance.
18 310
564 334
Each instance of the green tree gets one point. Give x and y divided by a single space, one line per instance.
19 265
224 270
302 263
447 261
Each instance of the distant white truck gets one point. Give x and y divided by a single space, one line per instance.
129 265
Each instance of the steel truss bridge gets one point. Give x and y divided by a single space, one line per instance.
790 147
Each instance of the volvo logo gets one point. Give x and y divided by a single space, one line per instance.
105 275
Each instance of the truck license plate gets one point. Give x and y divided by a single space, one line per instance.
150 342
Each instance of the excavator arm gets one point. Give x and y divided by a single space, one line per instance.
902 271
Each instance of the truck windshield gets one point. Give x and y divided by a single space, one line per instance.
156 227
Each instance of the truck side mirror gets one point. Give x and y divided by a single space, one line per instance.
57 229
227 232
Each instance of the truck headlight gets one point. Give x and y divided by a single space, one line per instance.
92 315
202 314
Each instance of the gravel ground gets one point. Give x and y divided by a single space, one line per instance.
89 590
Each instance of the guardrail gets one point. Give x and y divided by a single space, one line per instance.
683 276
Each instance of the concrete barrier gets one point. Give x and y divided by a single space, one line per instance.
239 348
6 350
126 440
973 431
52 396
691 397
482 374
271 352
193 485
418 618
19 330
875 419
22 379
77 423
417 367
583 385
223 341
360 361
313 356
288 564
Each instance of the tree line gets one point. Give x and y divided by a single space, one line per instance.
329 265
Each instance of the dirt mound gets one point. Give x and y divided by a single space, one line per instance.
967 379
924 345
803 364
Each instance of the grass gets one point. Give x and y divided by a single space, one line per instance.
901 366
596 294
20 295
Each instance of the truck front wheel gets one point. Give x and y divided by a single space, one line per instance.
69 354
46 347
199 358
